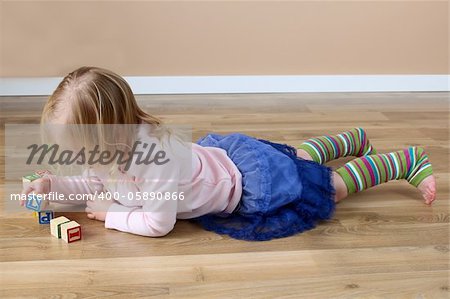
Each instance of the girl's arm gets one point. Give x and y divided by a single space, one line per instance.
71 185
157 188
142 221
157 185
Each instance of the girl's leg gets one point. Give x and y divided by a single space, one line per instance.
339 185
411 164
326 148
304 154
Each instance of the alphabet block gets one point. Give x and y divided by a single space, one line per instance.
70 231
30 177
45 217
55 226
36 203
41 173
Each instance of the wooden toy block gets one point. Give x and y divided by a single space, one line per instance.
36 203
30 177
55 225
42 172
35 214
33 203
71 231
34 176
45 216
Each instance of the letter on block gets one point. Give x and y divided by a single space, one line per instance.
36 203
45 217
55 225
43 172
70 231
30 177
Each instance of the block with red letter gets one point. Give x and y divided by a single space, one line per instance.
71 231
43 172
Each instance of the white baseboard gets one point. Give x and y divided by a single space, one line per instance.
247 84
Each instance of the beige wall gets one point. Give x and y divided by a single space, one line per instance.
153 38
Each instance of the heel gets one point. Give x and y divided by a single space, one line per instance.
421 167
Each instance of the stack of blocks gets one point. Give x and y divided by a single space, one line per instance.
61 227
37 203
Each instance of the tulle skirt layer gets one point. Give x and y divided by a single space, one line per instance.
282 194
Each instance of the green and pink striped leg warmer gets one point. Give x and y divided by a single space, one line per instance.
349 143
362 173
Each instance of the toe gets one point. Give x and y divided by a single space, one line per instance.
428 189
431 197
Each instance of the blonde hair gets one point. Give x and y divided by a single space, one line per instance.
96 96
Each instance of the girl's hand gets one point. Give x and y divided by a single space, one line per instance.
39 186
97 208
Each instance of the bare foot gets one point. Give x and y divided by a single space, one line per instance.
428 189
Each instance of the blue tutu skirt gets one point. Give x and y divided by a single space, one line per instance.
282 194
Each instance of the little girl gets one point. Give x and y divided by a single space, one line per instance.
247 188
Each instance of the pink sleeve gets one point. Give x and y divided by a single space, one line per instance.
155 218
138 221
74 185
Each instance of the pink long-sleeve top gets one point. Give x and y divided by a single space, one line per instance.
204 180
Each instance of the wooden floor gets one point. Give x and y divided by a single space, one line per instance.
382 243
